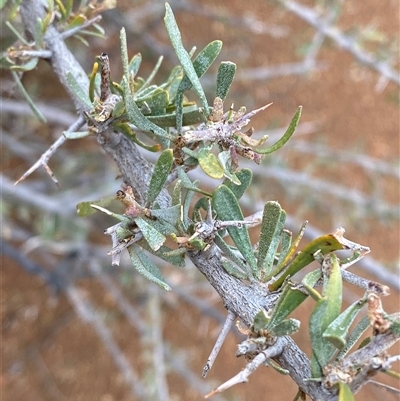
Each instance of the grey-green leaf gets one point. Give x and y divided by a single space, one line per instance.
136 116
31 103
232 269
337 331
355 335
146 267
271 228
225 76
286 136
324 313
227 207
134 64
153 237
289 299
285 327
183 56
160 174
78 91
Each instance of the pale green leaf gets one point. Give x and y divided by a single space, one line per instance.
286 136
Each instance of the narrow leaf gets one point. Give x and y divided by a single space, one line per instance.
227 207
229 253
78 91
288 301
271 228
32 105
232 269
146 267
337 331
356 334
136 116
160 174
154 72
182 54
289 132
191 116
129 133
134 65
226 73
285 258
325 243
124 54
286 242
76 134
202 63
177 194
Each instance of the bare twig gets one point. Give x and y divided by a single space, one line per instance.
370 164
281 70
218 344
86 24
343 41
243 376
389 389
42 162
301 179
52 114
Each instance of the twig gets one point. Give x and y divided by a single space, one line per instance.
343 41
302 179
281 70
389 389
52 114
322 151
31 53
49 152
218 344
243 376
86 24
246 21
